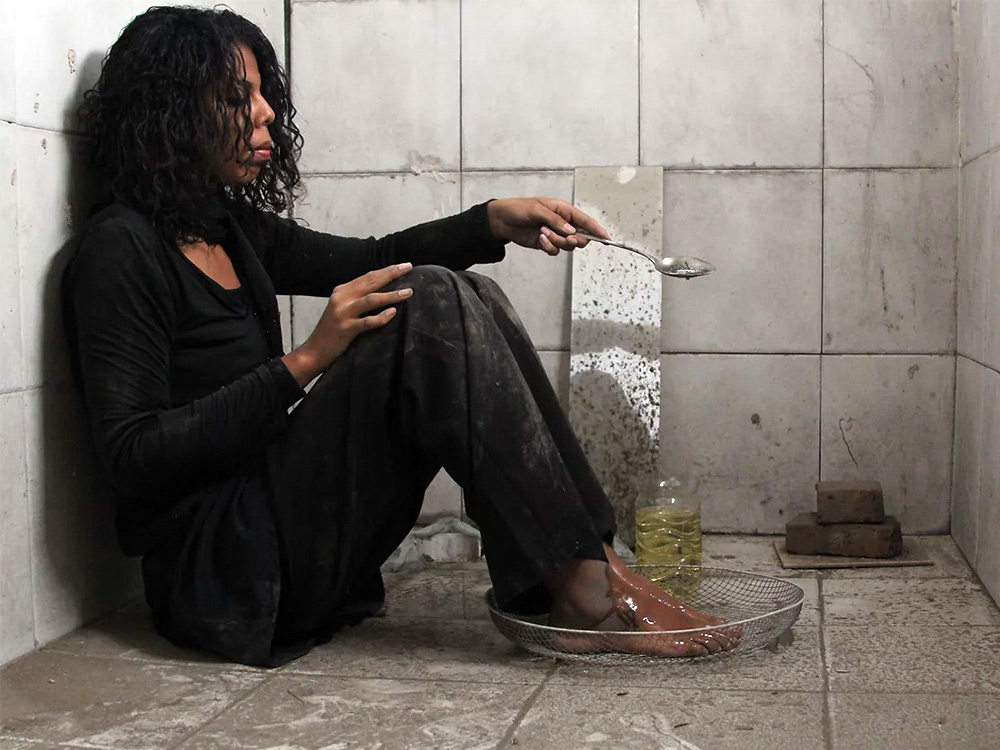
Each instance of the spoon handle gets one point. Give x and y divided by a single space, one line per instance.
623 246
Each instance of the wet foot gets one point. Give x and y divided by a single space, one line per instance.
630 612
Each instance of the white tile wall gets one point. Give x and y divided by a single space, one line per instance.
762 232
556 366
369 205
717 90
987 559
745 428
991 248
51 198
891 90
8 105
549 84
10 305
968 454
974 44
77 568
975 257
889 261
16 614
377 84
890 418
537 284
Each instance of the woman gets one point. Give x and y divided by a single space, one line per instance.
262 532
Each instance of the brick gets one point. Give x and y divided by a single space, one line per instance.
805 535
849 502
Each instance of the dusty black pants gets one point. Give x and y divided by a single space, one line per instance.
454 381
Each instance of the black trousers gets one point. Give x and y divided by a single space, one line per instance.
454 381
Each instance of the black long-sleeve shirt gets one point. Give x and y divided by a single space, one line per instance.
132 315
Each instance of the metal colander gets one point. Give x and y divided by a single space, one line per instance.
761 606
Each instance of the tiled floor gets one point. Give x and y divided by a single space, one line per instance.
905 658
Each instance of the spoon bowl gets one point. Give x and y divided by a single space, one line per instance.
682 267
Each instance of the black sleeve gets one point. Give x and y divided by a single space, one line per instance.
122 318
304 261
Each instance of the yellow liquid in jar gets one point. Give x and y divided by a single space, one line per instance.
669 537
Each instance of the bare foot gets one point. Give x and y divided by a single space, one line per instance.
627 608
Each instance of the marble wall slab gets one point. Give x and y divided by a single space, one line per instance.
967 471
615 338
16 605
975 256
10 295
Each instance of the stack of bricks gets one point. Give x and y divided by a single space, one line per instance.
849 521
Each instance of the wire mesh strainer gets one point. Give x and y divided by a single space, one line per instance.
761 606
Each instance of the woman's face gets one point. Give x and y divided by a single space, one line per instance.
241 164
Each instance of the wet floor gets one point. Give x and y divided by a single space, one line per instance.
882 659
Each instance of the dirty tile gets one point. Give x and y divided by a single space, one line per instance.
619 718
924 659
889 418
113 703
52 198
941 549
435 592
428 649
975 256
128 633
889 261
753 554
900 721
477 583
891 84
927 602
592 115
966 490
78 571
556 366
58 57
974 46
16 614
537 284
442 499
720 92
370 98
9 743
745 429
761 230
987 559
297 711
365 206
615 334
10 296
793 667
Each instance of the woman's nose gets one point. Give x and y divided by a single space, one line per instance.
263 114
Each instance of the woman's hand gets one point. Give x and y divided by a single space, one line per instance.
346 316
544 223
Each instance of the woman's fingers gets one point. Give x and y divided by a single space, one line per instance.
375 280
378 300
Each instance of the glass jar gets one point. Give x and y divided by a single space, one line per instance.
668 534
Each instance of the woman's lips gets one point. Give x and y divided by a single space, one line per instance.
261 155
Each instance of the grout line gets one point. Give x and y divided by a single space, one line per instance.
638 77
981 364
748 169
822 250
807 354
827 720
988 152
508 738
461 109
242 699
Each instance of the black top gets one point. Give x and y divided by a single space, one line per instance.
181 388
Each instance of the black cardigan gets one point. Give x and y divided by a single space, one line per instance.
123 303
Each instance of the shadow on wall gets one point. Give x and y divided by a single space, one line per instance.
80 570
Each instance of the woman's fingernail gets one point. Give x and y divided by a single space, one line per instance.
569 229
404 292
391 312
404 266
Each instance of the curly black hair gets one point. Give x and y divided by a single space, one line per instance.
157 119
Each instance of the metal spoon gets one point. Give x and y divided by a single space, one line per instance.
683 267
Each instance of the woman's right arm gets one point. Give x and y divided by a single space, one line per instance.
121 320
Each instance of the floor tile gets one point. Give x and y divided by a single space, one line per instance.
295 711
435 592
129 634
942 550
753 554
112 702
427 649
924 659
615 718
914 722
793 667
941 601
477 583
